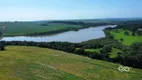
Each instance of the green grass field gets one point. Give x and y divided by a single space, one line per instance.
21 28
114 53
127 40
33 63
93 50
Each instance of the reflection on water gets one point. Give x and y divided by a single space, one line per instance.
70 36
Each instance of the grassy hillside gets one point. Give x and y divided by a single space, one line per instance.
127 39
33 63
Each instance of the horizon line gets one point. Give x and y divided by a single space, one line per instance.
69 19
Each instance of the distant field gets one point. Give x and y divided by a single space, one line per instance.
112 54
45 27
92 50
21 28
32 63
127 39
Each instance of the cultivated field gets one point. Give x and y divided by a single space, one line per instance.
33 63
23 28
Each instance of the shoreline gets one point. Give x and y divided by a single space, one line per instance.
54 32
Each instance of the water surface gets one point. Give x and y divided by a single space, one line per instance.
70 36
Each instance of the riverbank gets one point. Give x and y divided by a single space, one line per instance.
69 36
107 48
43 27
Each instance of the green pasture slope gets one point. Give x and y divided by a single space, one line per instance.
21 28
127 39
33 63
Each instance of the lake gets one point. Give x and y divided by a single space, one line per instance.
69 36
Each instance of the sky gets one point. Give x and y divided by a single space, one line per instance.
29 10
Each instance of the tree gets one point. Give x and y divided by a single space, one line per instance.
44 24
2 47
105 50
126 33
80 51
139 32
121 39
111 37
134 56
133 33
0 33
91 55
136 48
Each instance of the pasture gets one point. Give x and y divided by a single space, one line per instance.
33 63
126 39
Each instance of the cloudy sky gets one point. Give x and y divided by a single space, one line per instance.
25 10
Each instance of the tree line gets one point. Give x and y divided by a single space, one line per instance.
131 55
81 23
2 47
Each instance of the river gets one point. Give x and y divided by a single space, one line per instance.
69 36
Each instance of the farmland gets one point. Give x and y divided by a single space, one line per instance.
71 40
28 63
74 61
23 28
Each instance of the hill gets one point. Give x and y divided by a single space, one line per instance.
33 63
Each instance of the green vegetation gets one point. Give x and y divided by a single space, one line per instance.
114 53
93 50
2 47
126 32
24 28
44 27
109 46
32 63
119 34
122 45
